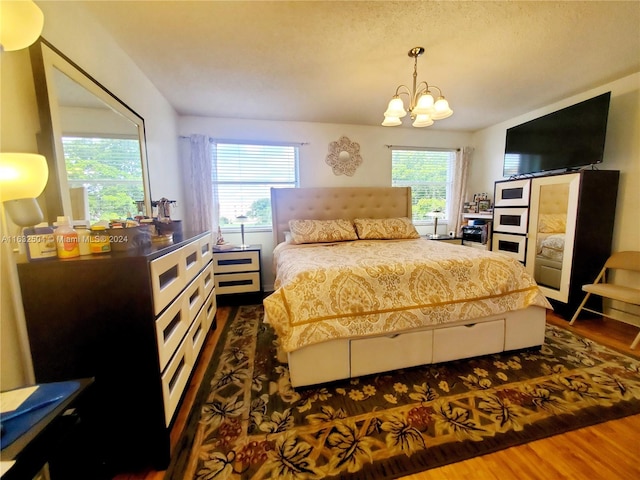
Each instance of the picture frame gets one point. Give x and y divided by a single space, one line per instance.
484 205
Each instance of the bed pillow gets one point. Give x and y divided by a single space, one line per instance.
552 223
385 228
321 231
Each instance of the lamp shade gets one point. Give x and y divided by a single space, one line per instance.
422 121
395 108
21 23
391 122
441 109
22 175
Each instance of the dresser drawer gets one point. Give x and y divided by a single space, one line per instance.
167 279
515 193
467 341
191 257
236 262
510 220
247 282
512 245
206 249
171 328
173 323
175 378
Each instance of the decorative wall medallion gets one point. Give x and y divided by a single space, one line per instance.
344 156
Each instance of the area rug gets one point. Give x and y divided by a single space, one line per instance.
251 424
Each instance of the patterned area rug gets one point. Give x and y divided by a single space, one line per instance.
250 423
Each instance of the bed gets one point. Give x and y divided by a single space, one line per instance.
365 305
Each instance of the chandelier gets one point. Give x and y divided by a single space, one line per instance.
423 109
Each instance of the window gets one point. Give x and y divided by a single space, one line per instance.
110 171
429 173
243 175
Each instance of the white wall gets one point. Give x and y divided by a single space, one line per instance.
375 169
622 152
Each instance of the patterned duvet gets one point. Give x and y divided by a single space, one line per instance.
370 287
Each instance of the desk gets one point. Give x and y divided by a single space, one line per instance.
38 436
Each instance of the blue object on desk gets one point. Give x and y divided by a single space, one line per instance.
39 404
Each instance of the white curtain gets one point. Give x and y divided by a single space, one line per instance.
196 162
463 159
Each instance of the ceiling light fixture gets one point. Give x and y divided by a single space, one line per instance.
423 109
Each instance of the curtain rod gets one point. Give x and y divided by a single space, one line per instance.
249 142
442 149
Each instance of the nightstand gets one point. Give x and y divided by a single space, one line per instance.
237 275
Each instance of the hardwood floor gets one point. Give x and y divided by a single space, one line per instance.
607 451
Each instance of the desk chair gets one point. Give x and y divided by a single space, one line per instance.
626 295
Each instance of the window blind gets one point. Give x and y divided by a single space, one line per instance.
243 176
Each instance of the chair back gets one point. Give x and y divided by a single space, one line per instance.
624 261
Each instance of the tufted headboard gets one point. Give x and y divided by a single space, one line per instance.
326 203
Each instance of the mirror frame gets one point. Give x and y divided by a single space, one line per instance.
44 58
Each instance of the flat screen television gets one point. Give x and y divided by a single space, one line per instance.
567 139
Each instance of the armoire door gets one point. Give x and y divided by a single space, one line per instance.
551 233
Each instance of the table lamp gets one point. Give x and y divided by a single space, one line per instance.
242 219
23 177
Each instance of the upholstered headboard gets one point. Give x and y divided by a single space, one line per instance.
326 203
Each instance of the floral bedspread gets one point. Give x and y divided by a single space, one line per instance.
370 287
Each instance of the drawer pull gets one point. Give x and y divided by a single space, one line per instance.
175 321
168 276
205 248
235 283
191 259
176 375
195 336
235 261
194 298
470 325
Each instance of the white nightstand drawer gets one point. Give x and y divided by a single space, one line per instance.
237 283
230 262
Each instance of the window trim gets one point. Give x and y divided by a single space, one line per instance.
296 174
450 178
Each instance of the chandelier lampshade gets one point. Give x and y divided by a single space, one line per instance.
422 107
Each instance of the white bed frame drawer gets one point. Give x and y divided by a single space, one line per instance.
525 328
380 354
333 356
467 341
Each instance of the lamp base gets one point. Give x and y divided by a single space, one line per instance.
24 212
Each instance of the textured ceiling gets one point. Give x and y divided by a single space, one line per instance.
340 62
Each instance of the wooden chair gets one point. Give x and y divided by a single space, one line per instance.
626 295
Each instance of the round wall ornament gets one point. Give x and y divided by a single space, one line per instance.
344 156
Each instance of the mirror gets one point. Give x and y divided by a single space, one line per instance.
94 143
551 231
344 156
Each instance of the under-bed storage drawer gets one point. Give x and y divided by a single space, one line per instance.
468 340
380 354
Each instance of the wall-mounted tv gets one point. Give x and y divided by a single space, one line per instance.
567 139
